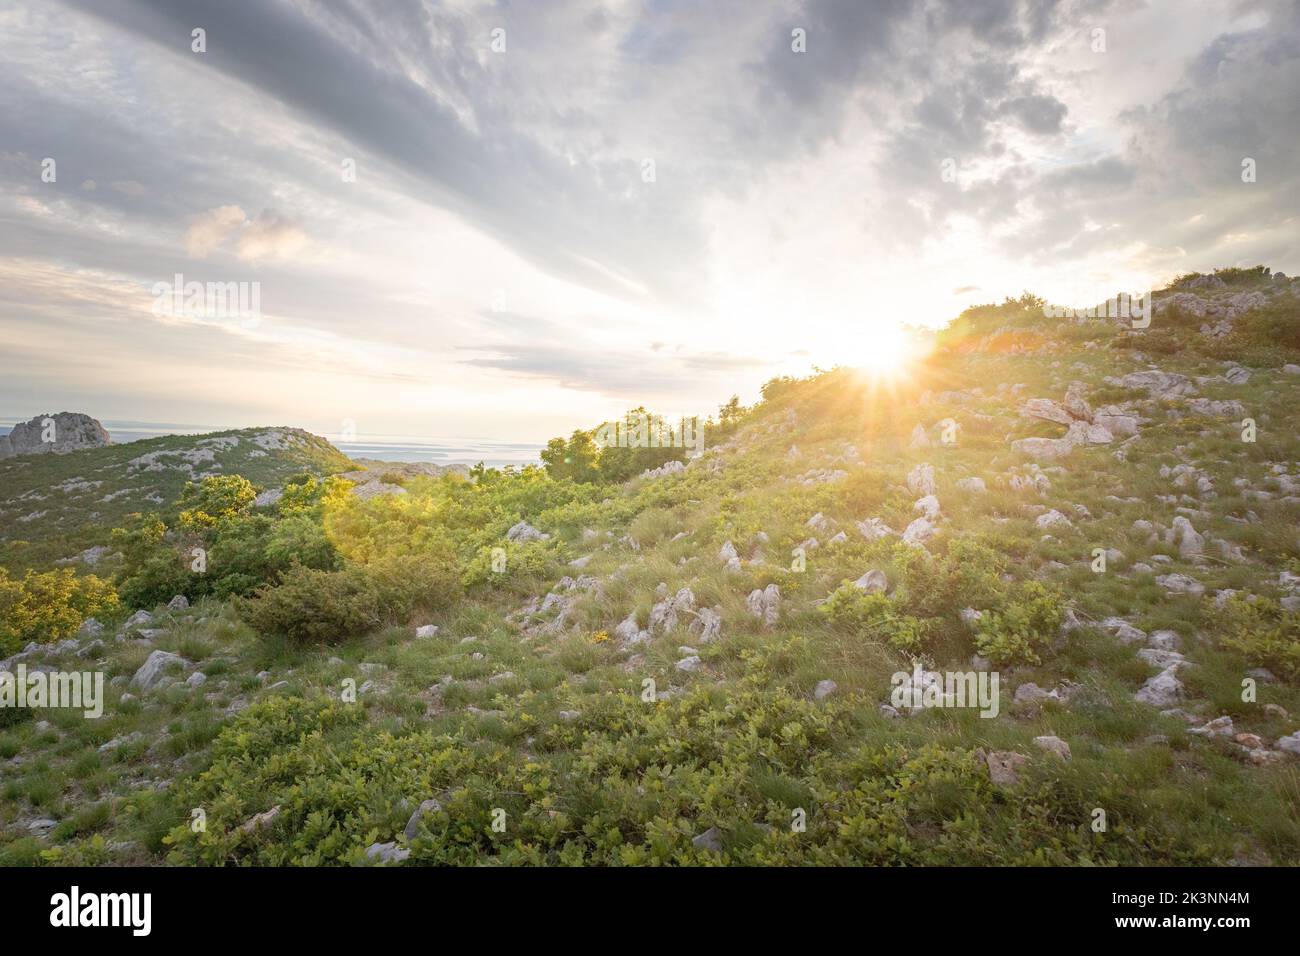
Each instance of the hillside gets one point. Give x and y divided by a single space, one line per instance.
700 664
56 506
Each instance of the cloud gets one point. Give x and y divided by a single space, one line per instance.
270 234
614 372
210 229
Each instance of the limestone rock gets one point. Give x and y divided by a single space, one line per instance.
765 604
56 434
152 669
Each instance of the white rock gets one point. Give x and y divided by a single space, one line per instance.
151 670
919 531
928 506
765 604
1163 690
872 582
920 480
523 531
1054 745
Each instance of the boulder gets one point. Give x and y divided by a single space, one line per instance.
1054 745
1163 690
1053 519
765 604
710 839
919 531
387 852
413 824
1188 541
57 434
873 582
920 480
523 531
824 689
1004 767
874 528
152 669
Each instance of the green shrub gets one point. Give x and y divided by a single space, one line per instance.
310 606
1019 631
875 615
49 606
1261 631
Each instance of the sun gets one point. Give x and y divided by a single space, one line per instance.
886 351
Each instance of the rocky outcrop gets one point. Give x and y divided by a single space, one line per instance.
59 434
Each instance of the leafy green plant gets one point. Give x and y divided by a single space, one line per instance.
1019 631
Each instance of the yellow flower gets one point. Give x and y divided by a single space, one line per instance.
600 637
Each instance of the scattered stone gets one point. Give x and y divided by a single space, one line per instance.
729 557
138 619
918 532
873 582
387 852
1180 584
523 531
261 821
824 689
152 669
1054 745
920 480
426 808
90 628
1053 519
710 839
426 630
1163 690
873 529
1186 538
765 604
1004 767
1030 693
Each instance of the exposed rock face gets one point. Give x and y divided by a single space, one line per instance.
60 433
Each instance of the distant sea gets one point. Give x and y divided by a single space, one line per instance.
440 451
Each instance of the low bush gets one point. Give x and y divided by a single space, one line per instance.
310 606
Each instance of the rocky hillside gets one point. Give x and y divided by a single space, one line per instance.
749 657
56 506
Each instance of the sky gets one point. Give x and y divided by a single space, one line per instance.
509 220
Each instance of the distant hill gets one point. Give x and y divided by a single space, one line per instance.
55 506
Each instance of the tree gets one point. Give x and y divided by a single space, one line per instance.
575 459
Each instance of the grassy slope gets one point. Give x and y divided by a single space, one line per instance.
55 506
739 744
